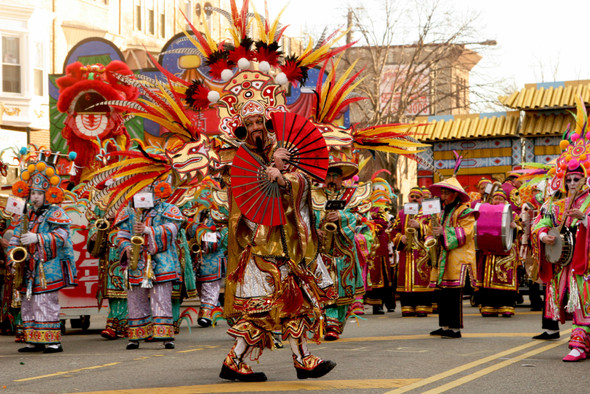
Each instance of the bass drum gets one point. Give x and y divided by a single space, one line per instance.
493 233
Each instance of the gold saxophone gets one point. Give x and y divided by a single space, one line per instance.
102 227
432 244
328 241
411 235
137 242
194 245
19 255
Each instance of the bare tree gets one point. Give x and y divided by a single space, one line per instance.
417 58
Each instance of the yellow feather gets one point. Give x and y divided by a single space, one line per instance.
401 142
140 170
364 162
275 25
192 40
261 28
310 58
174 105
580 115
389 149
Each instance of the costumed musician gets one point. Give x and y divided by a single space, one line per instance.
566 279
497 272
336 230
42 248
381 270
483 192
146 242
409 234
456 260
510 187
208 234
111 278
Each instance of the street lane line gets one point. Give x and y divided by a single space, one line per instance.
492 368
293 385
426 336
66 372
464 367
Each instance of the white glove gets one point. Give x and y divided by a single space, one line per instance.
29 238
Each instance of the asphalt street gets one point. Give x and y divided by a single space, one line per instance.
376 354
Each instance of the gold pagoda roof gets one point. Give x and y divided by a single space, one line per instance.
540 124
456 127
550 95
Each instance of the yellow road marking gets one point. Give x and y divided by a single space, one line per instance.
191 350
464 367
490 369
295 385
426 336
517 313
67 372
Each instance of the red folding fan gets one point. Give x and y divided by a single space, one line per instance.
258 198
304 142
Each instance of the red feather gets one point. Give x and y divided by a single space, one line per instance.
217 68
291 70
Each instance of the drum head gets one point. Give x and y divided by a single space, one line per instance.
553 252
507 231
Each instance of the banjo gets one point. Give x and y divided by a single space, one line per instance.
562 250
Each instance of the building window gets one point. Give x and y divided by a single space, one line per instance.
151 17
162 25
11 65
38 70
151 22
138 21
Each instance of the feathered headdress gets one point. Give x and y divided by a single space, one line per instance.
224 58
575 147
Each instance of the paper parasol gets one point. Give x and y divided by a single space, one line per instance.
258 198
305 143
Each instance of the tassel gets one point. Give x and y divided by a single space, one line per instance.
321 326
42 279
146 283
553 309
29 288
573 304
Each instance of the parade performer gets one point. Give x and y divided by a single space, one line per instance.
409 233
510 187
152 272
111 278
42 255
186 287
270 266
567 283
380 269
497 274
481 195
337 242
208 235
456 259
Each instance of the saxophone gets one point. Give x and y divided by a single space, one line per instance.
411 237
102 227
20 255
137 242
432 244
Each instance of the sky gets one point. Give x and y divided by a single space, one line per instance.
537 41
